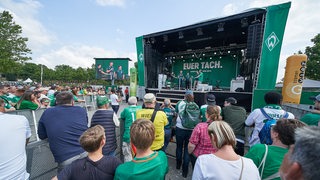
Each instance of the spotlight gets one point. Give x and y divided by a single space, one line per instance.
203 54
220 27
244 22
153 40
210 57
199 31
215 53
181 56
181 35
165 38
220 57
228 52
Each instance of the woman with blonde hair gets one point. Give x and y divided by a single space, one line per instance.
225 163
199 142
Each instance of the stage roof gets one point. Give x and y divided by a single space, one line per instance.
226 31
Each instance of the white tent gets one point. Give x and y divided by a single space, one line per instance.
27 81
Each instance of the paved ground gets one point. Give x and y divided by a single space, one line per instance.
173 173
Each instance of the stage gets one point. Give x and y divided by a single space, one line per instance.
244 98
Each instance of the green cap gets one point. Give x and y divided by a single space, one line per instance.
102 100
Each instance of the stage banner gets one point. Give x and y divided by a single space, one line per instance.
293 78
133 82
140 58
271 46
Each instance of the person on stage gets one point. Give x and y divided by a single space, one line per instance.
110 71
198 79
188 81
180 78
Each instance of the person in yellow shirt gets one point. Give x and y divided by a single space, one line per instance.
159 120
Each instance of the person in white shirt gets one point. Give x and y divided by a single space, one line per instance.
273 109
225 163
114 101
13 158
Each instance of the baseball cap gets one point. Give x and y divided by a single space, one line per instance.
231 100
149 98
315 98
102 100
211 98
189 92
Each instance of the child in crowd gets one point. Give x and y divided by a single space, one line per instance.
147 164
96 165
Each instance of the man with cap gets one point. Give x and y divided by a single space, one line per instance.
313 118
235 116
210 100
109 120
159 119
127 117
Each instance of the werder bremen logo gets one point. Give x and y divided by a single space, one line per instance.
272 41
140 57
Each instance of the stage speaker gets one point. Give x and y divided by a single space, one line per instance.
248 85
255 34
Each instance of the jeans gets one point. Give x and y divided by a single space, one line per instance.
115 108
167 137
182 137
70 160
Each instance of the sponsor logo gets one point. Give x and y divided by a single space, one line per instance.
272 41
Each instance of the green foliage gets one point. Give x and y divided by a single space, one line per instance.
13 47
313 63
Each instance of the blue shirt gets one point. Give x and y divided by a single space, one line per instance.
63 126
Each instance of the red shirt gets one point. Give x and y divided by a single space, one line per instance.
200 138
126 91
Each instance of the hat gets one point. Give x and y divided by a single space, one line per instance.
211 98
149 98
43 89
231 100
102 100
32 88
20 88
189 92
315 98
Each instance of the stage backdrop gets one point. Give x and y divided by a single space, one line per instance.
214 69
104 62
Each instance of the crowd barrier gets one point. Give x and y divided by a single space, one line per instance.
40 161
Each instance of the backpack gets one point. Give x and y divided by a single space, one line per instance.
190 116
264 134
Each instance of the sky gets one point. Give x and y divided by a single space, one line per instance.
73 32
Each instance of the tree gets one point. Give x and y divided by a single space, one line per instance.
13 47
313 63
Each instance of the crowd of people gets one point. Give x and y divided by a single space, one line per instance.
210 137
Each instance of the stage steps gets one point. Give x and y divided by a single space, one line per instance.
174 95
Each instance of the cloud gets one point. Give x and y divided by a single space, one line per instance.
229 9
78 56
119 3
24 14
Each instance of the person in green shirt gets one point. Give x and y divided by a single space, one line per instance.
313 118
147 164
127 116
3 95
268 158
28 101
